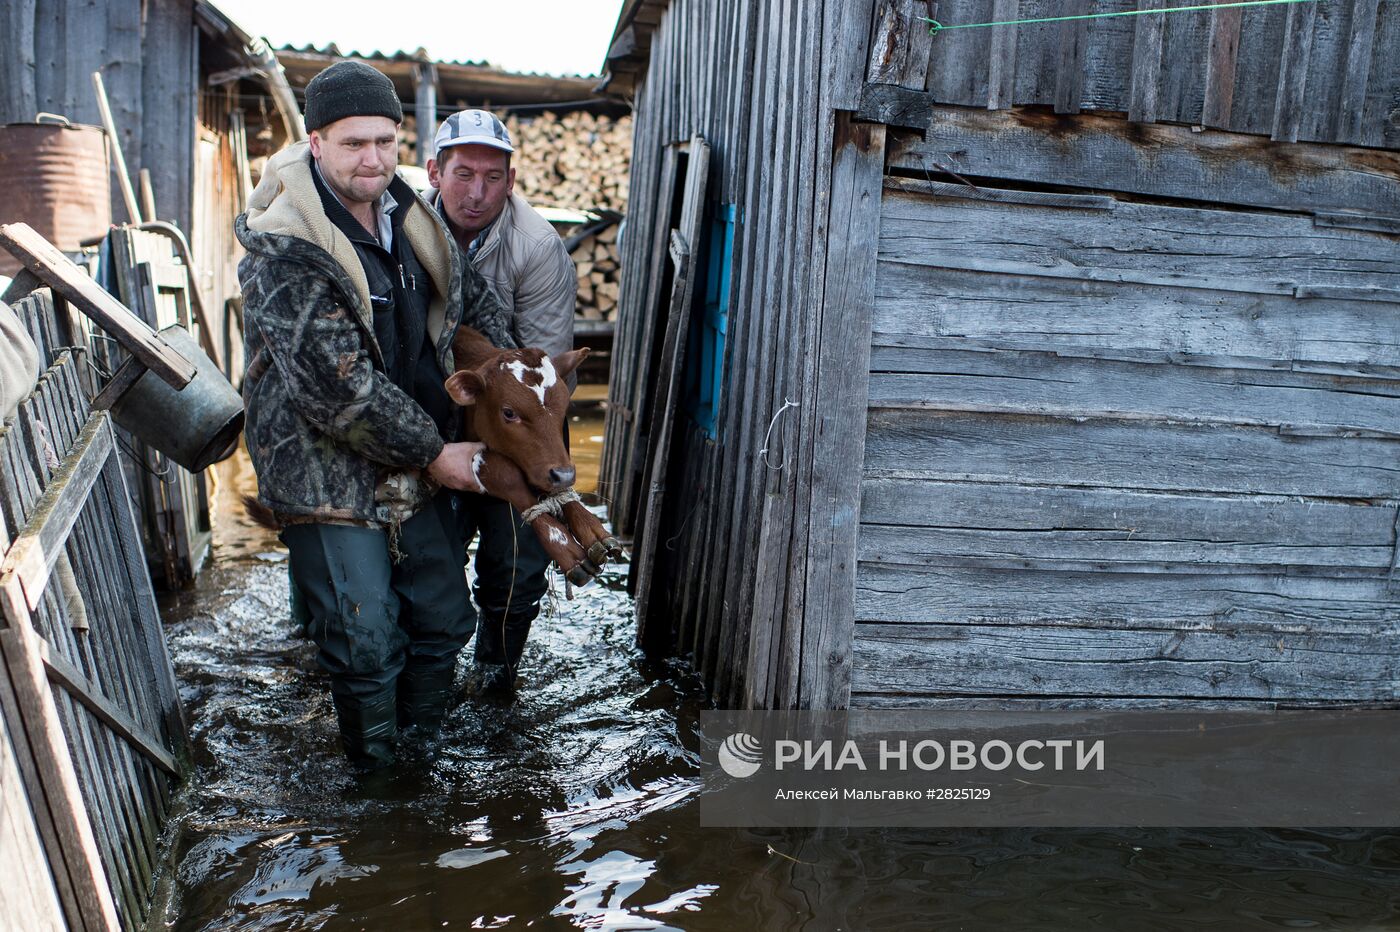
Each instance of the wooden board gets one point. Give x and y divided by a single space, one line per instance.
1265 602
953 660
56 270
668 381
31 557
1049 385
30 900
1125 454
1102 153
899 45
627 496
45 734
838 414
1018 307
768 641
922 522
954 223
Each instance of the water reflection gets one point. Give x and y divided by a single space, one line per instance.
575 807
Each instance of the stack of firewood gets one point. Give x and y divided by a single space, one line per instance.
596 260
577 161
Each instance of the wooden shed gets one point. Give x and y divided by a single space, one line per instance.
1046 364
186 87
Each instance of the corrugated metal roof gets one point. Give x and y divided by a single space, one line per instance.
473 83
332 50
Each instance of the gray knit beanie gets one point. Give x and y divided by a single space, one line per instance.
350 88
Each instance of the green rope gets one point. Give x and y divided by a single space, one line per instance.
939 27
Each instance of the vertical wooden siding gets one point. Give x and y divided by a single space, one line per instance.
1322 72
760 82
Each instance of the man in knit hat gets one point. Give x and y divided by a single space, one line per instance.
523 259
353 291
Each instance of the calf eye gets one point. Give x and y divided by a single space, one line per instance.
509 414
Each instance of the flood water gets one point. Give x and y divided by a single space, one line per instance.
575 806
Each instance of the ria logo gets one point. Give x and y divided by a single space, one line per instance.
740 755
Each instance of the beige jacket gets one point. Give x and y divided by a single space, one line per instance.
19 362
524 261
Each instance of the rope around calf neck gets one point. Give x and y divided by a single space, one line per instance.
551 504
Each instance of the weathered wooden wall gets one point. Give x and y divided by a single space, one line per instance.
1133 452
1152 342
759 82
156 64
147 53
1130 450
1319 72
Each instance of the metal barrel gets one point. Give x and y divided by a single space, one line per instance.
196 426
57 180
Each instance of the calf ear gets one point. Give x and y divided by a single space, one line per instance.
465 387
566 363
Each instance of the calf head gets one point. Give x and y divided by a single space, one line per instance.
517 400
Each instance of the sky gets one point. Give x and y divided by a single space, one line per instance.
545 36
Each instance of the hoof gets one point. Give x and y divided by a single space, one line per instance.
598 553
614 547
579 576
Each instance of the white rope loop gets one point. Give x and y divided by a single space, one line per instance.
551 504
763 454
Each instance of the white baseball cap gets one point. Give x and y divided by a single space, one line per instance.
474 128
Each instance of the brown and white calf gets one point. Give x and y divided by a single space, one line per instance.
517 402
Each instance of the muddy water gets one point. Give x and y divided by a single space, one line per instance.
575 806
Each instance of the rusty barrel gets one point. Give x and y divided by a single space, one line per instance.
55 177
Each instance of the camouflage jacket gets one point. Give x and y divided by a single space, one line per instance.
332 438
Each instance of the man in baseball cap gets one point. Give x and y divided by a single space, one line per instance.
527 267
353 291
472 128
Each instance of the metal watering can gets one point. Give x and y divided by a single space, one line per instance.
196 426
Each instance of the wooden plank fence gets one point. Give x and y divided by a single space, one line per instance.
88 693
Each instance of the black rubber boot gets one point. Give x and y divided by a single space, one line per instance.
367 729
296 603
424 693
500 642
